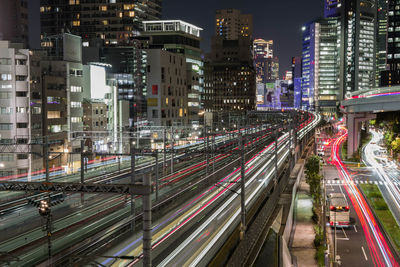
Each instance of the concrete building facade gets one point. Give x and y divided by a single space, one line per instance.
167 103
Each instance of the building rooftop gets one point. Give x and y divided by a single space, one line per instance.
171 26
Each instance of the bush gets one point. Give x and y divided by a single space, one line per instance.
320 256
379 203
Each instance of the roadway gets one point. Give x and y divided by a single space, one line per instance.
378 252
385 171
352 246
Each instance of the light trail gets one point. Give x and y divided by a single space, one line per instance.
371 161
368 222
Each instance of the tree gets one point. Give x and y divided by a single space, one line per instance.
313 165
396 145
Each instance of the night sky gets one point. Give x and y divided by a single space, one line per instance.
279 20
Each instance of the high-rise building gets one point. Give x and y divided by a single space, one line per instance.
231 23
331 8
357 19
20 109
267 67
381 38
180 37
230 76
167 100
321 66
14 21
62 80
296 67
230 82
391 76
114 21
263 48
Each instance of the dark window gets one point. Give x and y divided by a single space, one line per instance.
22 125
21 94
22 156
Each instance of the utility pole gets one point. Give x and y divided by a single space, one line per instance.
276 157
46 158
82 162
165 153
147 223
334 241
207 154
133 180
172 150
242 185
157 174
213 149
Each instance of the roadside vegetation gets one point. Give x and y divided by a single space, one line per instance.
383 213
389 123
356 158
313 179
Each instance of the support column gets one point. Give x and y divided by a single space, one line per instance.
353 122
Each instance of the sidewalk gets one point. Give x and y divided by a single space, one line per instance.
302 248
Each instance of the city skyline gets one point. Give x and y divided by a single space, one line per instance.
287 37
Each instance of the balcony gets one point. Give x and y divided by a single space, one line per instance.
23 131
21 70
21 86
22 117
21 102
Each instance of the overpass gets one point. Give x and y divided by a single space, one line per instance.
362 106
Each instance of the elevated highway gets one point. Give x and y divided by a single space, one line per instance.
362 106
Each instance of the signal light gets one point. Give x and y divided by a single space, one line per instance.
44 208
332 208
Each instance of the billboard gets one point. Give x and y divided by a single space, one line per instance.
72 48
98 87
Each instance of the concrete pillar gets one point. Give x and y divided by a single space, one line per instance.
353 121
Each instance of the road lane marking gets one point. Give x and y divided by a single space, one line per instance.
355 228
365 255
344 232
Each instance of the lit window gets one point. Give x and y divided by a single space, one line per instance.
76 23
53 114
103 8
76 104
105 22
76 89
128 6
131 13
76 119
